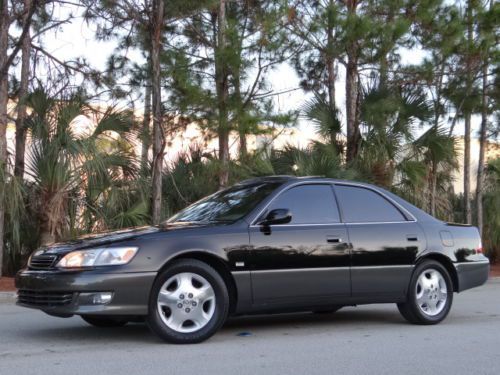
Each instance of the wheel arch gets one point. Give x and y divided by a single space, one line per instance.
217 263
446 263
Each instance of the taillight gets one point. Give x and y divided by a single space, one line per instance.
479 249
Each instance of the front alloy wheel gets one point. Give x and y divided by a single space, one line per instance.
430 294
186 302
189 302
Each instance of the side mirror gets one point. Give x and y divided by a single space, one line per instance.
277 216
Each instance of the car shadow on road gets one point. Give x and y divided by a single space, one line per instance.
75 331
348 316
80 333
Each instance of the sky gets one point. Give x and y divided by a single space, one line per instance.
77 39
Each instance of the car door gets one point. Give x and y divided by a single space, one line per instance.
305 261
385 240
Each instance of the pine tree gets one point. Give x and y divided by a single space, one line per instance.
221 79
488 41
334 33
6 60
148 19
22 92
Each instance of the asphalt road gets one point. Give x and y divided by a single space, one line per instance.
356 340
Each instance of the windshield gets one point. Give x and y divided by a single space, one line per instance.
226 205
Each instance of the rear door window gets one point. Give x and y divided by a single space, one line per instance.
361 205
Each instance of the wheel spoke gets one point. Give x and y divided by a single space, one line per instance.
434 279
421 299
204 293
424 281
167 298
200 317
177 323
442 296
184 281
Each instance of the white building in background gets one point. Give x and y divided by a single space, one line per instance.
492 152
193 135
184 138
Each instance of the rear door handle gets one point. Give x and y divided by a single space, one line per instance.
412 237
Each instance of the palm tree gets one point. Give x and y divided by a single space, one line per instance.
69 171
491 203
436 150
388 116
320 113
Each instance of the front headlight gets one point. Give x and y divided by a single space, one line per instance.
110 256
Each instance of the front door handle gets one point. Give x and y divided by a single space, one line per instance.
412 237
333 239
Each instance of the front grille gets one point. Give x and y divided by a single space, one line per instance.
44 299
42 262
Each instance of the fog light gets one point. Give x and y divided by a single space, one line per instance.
99 298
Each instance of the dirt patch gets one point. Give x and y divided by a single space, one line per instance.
495 270
7 284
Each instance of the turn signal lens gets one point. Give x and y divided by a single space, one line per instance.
110 256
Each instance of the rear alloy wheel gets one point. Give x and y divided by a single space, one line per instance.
103 321
189 302
430 295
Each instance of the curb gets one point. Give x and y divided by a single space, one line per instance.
7 297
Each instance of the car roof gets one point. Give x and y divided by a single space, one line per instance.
292 179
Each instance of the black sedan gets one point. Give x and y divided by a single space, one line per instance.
273 244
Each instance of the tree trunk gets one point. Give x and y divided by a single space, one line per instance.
158 132
243 144
242 128
352 87
146 124
4 88
222 88
467 203
330 62
482 148
468 115
23 91
433 188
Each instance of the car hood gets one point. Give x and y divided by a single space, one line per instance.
113 237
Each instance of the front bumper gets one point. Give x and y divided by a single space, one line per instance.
472 274
62 293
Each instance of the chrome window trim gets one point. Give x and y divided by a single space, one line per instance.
381 222
392 201
386 266
300 225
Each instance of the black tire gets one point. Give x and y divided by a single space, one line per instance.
329 310
104 321
410 309
218 318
